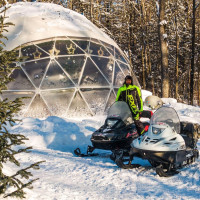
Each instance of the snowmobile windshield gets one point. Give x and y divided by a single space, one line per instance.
120 109
166 115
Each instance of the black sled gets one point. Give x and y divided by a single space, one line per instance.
117 133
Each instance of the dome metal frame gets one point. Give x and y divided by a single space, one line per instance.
118 66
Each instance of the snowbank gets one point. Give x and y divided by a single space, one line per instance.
38 20
66 177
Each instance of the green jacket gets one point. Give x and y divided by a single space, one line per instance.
131 95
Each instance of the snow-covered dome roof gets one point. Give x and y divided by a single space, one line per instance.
68 66
36 21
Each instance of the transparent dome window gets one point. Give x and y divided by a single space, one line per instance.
68 76
73 66
66 47
97 49
32 52
106 65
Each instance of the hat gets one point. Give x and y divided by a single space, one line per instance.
128 77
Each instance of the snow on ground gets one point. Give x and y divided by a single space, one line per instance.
66 177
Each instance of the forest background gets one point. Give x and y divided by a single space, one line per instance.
161 39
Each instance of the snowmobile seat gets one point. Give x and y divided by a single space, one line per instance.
190 133
146 114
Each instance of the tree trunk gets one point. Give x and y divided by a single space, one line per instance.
91 11
164 51
143 69
71 4
198 83
144 52
192 57
130 32
177 61
198 66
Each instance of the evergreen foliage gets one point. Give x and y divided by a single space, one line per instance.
10 185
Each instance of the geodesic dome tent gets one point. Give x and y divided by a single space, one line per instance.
69 67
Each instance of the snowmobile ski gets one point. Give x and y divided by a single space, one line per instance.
121 161
89 153
165 173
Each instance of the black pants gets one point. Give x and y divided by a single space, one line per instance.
139 126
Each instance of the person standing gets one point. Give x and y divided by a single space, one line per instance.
131 94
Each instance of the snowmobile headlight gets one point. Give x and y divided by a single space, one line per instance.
157 131
111 122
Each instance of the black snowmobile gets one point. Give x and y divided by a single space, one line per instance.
168 145
118 131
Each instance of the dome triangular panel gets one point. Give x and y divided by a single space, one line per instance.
111 100
124 68
38 108
119 56
83 44
11 95
56 78
97 49
116 90
66 47
36 70
118 77
106 65
73 66
32 52
92 76
78 107
96 98
20 82
127 71
58 100
47 47
109 47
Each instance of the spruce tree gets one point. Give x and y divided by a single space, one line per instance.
10 185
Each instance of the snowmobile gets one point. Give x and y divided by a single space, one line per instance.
168 144
118 131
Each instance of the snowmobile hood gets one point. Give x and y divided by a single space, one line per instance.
163 133
165 139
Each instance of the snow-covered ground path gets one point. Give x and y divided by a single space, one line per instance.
66 177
